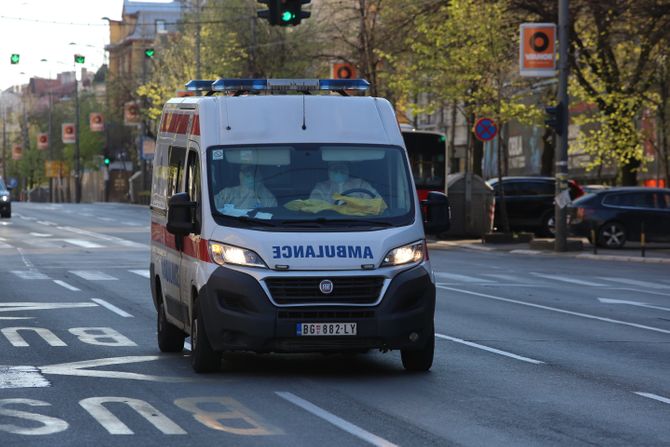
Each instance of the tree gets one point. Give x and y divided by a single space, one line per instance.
612 45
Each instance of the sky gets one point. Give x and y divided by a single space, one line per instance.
45 29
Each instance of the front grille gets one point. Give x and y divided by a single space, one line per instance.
325 315
347 290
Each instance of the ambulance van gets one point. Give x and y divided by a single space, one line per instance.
284 219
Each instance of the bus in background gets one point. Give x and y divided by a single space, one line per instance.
427 153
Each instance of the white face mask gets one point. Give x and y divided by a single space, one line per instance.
247 179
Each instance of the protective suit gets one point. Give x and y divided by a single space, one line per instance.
338 182
250 194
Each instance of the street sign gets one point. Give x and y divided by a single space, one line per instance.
17 152
42 141
537 49
96 122
343 70
131 113
148 148
67 130
54 168
485 129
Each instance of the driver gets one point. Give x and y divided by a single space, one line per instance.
339 182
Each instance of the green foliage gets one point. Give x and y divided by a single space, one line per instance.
465 54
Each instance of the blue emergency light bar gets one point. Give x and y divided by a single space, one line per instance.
276 85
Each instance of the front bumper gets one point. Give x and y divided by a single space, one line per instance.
5 207
238 315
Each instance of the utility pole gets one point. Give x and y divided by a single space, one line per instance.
560 243
4 143
197 40
77 165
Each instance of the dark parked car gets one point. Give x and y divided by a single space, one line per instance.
530 203
618 214
5 201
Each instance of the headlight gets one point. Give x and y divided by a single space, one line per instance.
413 252
229 254
4 198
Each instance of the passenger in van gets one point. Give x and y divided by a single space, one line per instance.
339 182
251 193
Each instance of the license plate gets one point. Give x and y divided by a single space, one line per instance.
325 329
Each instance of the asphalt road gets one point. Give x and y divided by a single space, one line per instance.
530 351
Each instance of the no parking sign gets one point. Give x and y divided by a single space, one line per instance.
485 129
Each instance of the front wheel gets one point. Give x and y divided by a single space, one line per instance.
421 359
204 358
612 235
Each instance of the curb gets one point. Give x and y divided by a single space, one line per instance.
638 259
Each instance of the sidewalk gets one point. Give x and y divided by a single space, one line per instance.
656 253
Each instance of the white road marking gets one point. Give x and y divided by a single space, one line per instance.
26 217
665 400
106 219
82 243
12 335
567 279
41 243
24 306
66 285
21 377
93 275
104 237
144 273
526 252
30 274
555 309
489 349
79 369
504 277
335 420
25 260
460 278
632 303
114 426
3 245
634 282
111 307
41 234
46 222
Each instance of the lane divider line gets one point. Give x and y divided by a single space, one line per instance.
489 349
555 309
111 307
335 420
581 282
665 400
66 285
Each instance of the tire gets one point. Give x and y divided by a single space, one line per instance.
612 235
204 359
419 360
170 337
548 226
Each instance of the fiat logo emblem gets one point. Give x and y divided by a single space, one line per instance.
326 286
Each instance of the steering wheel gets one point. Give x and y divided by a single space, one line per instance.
359 190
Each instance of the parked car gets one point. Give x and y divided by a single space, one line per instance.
5 200
530 203
588 189
618 215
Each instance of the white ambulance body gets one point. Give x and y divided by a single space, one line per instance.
244 257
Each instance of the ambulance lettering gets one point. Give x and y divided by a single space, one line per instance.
322 251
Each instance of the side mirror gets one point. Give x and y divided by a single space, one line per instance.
437 216
181 215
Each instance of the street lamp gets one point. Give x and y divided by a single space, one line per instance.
77 162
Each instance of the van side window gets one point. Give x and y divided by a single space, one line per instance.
175 170
193 177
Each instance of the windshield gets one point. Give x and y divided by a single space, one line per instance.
426 156
310 186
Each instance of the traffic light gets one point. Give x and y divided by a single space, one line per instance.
107 161
149 53
284 12
14 58
79 59
554 118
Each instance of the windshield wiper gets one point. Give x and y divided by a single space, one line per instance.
252 221
322 220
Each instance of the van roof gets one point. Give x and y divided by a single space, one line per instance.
259 119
